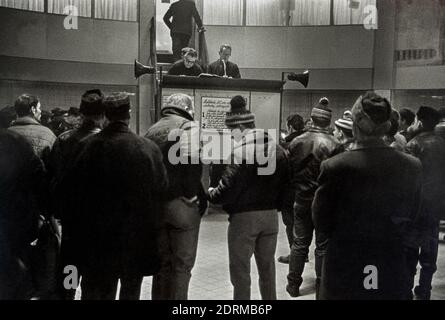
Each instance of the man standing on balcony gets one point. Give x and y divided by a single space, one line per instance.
181 27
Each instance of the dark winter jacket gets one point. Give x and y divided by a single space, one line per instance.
367 203
185 177
307 152
182 12
429 148
117 184
217 68
22 178
246 185
40 137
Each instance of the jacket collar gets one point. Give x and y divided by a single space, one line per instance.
171 110
89 126
117 126
292 136
376 143
318 129
25 121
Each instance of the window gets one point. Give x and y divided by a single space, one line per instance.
163 39
125 10
116 9
32 5
351 11
285 12
310 13
227 12
267 12
58 6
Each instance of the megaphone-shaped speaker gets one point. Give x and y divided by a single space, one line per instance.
303 78
140 69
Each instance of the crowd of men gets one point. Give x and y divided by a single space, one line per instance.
373 192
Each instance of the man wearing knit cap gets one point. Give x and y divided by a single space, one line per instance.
120 181
306 154
251 199
65 150
366 205
185 201
430 150
343 131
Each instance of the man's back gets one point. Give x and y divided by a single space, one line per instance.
120 182
367 203
243 186
41 138
185 179
66 149
306 154
182 12
429 148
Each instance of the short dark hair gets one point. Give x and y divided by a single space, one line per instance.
429 116
376 107
296 122
224 47
407 115
189 52
24 103
117 106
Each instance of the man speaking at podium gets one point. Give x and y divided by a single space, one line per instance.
223 67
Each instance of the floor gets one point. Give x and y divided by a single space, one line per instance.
210 279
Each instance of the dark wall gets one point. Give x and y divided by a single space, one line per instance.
39 56
43 36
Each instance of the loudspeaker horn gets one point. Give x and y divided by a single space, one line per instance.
303 78
140 69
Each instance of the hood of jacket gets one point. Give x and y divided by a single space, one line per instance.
253 147
172 110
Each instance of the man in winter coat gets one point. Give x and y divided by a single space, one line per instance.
250 191
366 204
177 135
118 183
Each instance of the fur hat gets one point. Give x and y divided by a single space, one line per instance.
238 113
117 106
371 113
91 103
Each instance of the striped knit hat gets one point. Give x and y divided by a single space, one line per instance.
344 123
321 111
238 113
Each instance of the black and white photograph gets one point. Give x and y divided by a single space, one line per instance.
228 156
